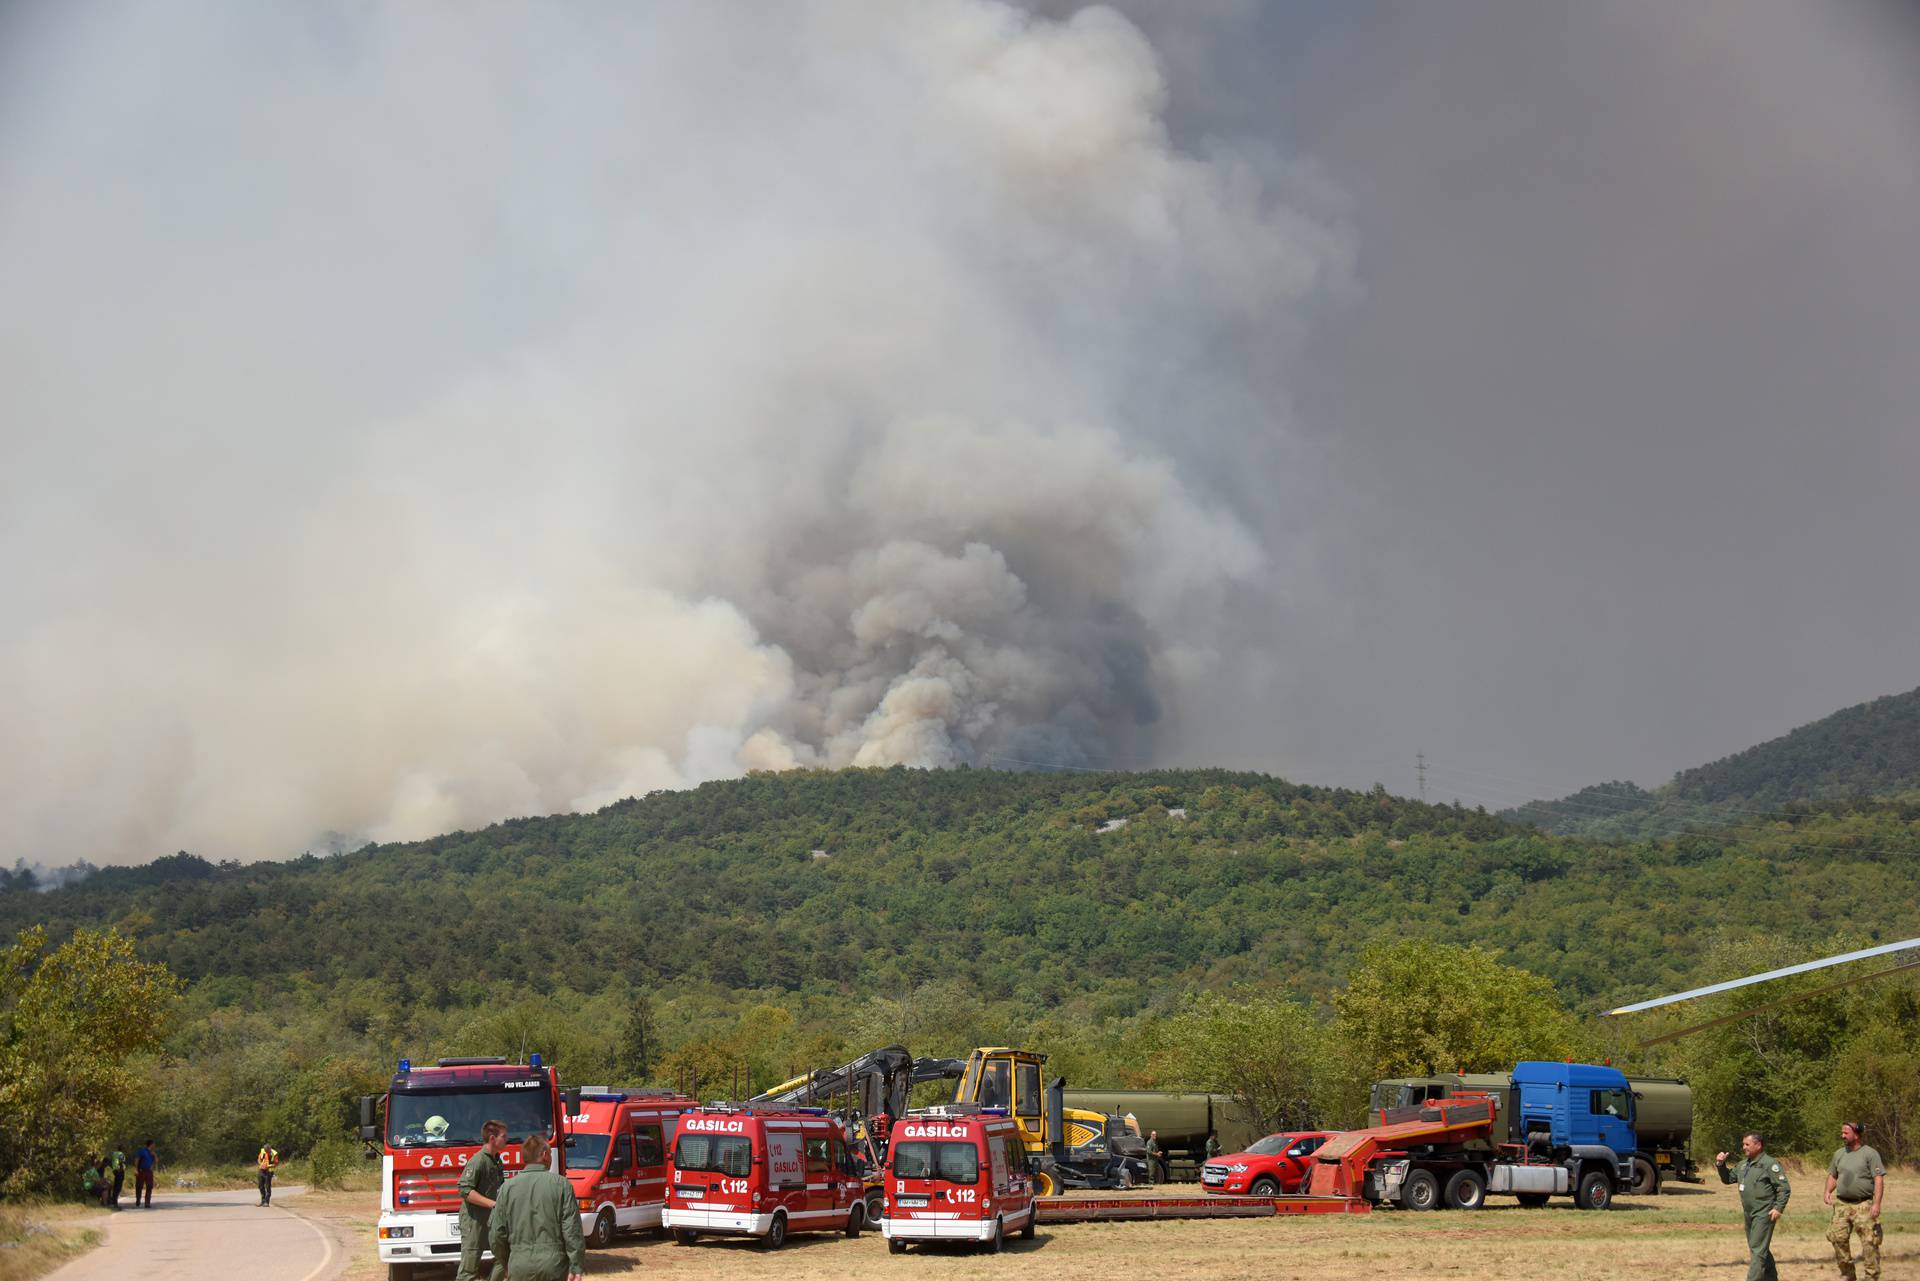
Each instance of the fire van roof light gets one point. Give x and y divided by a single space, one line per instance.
406 1065
533 1060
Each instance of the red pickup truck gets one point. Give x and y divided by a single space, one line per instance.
1277 1165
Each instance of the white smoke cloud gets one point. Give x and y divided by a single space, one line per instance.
422 415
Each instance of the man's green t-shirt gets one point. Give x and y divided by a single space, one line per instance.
119 1160
484 1174
1855 1171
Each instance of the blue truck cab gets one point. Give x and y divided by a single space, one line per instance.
1576 1103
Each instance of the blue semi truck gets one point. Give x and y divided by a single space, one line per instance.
1557 1129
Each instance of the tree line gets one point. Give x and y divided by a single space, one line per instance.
698 936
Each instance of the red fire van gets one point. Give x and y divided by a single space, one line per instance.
617 1145
957 1176
745 1171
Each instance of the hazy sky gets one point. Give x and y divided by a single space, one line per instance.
419 415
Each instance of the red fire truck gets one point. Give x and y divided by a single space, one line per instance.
955 1175
428 1124
617 1142
742 1170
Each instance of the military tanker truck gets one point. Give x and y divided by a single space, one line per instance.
1663 1117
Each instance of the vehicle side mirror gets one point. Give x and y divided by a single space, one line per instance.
370 1118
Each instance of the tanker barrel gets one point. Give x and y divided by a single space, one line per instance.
1662 1112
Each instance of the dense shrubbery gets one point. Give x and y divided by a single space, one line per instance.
951 909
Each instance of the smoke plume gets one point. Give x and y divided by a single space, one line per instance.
423 414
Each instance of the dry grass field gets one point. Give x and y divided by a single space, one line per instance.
38 1237
1690 1232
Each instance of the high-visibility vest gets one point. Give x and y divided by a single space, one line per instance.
268 1158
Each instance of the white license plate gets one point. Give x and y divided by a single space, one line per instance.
915 1201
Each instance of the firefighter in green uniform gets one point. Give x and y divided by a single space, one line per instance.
479 1186
536 1222
1763 1199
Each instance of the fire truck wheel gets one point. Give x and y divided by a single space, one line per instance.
856 1217
876 1206
776 1233
685 1236
1466 1190
896 1246
1421 1191
1026 1229
1596 1191
1646 1177
998 1241
1264 1186
602 1231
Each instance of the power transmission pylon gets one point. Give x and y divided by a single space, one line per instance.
1420 768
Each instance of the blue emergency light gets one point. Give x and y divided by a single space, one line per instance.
533 1060
406 1065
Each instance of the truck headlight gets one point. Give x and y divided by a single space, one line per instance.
395 1234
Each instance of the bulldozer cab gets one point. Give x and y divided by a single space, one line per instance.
997 1077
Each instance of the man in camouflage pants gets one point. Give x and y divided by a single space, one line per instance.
1856 1182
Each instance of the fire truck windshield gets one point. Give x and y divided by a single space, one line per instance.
452 1118
728 1154
587 1151
953 1162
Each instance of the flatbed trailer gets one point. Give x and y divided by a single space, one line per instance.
1120 1208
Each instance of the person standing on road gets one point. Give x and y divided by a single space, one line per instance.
1763 1199
118 1164
143 1162
1856 1184
268 1161
535 1232
479 1186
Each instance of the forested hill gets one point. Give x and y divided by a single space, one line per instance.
1872 749
844 884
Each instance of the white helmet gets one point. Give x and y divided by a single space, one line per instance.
436 1127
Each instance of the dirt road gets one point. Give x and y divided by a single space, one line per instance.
193 1236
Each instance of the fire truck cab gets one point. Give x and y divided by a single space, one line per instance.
617 1143
957 1175
750 1171
428 1125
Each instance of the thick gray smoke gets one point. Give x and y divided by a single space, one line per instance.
422 414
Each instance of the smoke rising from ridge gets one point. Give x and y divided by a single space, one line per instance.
423 415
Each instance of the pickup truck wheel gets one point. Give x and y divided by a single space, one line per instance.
856 1216
1646 1177
1466 1190
776 1233
1531 1200
1264 1186
1596 1191
1421 1191
602 1231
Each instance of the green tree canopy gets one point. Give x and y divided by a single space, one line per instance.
69 1020
1418 1007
